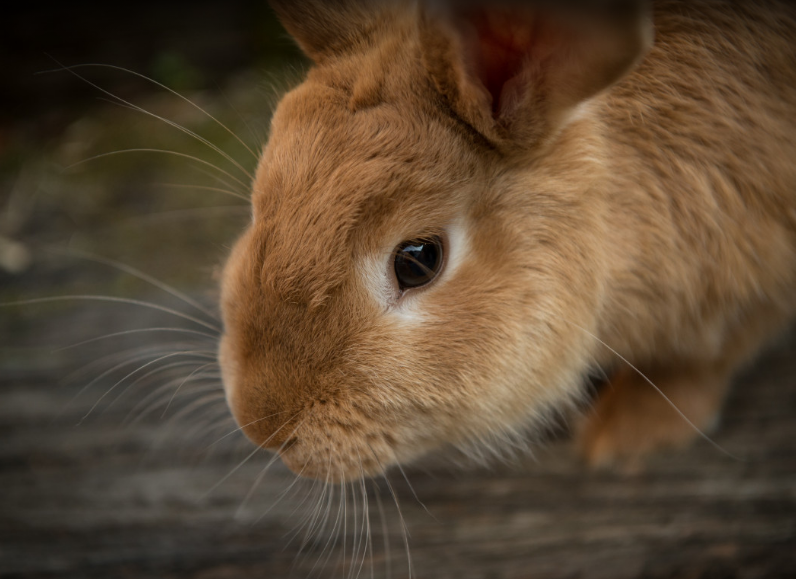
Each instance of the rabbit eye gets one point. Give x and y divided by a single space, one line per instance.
417 262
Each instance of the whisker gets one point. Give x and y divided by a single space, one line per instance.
112 299
138 331
385 534
319 531
659 391
163 151
140 275
239 428
198 388
203 404
116 100
367 551
326 488
156 393
400 514
221 422
170 355
195 212
147 352
184 412
411 488
159 389
188 378
220 180
137 353
296 479
259 139
331 542
362 538
268 466
164 87
297 528
343 489
356 538
220 411
404 529
207 188
245 460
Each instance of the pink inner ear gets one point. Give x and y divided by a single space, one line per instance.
506 41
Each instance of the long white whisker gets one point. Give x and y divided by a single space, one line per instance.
206 188
354 523
186 379
268 466
138 331
158 389
659 391
331 542
245 460
155 361
147 352
411 488
239 428
156 393
140 275
362 542
184 412
367 550
137 353
400 514
220 180
304 518
185 130
198 388
164 87
163 151
385 534
117 100
195 212
281 496
311 526
257 138
337 530
114 300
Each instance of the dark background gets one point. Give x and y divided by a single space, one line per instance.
106 477
190 45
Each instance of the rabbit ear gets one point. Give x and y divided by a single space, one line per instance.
326 27
516 70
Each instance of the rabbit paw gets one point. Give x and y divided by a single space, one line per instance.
632 418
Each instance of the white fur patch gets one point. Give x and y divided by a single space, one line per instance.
373 272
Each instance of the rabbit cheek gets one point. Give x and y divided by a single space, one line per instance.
229 374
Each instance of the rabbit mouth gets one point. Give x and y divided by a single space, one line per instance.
327 451
330 463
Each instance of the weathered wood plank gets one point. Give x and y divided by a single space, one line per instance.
97 500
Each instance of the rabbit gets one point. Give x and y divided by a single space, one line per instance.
467 208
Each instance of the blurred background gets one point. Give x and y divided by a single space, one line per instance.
117 457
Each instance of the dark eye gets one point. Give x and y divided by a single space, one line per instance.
417 262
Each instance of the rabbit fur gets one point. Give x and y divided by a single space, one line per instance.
613 185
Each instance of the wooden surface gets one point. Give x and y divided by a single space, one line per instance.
112 499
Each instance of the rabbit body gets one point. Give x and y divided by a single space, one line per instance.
603 202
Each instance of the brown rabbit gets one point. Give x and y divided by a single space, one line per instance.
466 208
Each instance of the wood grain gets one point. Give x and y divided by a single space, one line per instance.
108 499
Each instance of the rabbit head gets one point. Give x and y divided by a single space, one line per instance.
426 224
